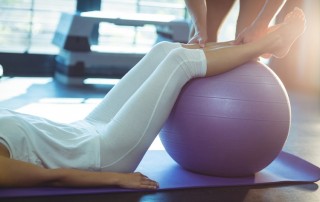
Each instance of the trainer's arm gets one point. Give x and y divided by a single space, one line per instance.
14 173
270 8
259 26
198 13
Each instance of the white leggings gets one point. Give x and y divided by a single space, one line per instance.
131 115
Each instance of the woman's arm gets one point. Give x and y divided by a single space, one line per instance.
15 173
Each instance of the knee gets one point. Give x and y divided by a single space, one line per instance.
166 46
163 44
192 61
183 57
179 55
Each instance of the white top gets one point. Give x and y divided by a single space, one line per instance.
49 144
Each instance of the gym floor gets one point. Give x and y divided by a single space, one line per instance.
48 98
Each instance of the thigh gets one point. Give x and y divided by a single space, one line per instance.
130 83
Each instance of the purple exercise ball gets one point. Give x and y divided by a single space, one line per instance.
230 125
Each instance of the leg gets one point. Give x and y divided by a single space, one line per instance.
277 42
126 138
216 13
120 93
210 45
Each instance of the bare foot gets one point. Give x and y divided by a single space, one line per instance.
291 28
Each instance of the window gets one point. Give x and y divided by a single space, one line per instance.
168 7
27 26
116 37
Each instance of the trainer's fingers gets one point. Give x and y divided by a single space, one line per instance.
202 43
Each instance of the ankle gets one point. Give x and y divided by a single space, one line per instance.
276 44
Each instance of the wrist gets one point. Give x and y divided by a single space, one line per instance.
259 28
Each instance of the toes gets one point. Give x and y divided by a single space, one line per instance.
298 12
294 15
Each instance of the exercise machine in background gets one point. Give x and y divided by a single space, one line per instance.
79 59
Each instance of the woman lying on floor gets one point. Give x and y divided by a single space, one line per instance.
105 148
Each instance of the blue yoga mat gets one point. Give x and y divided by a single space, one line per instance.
158 165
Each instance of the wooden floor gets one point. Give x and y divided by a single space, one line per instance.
45 97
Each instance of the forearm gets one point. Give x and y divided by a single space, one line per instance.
269 10
198 13
15 173
79 178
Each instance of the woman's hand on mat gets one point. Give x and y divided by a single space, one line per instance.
136 181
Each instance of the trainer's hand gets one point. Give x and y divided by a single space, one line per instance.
199 38
250 34
136 181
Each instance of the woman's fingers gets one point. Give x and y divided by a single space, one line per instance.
146 183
